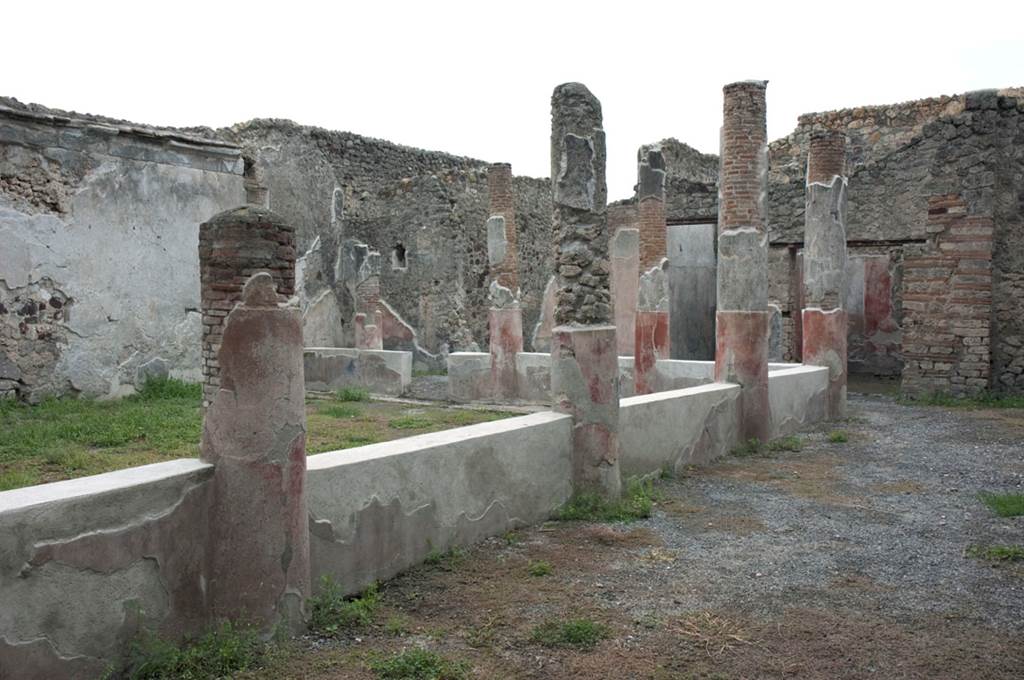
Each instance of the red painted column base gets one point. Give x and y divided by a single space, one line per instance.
506 340
824 344
585 385
741 357
650 345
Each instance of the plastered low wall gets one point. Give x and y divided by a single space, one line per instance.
798 396
379 371
378 509
84 563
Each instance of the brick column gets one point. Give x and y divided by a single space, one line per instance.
741 333
505 315
947 302
652 326
823 318
254 425
584 362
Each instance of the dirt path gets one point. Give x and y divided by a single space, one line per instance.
841 560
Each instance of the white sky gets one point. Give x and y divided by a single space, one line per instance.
475 78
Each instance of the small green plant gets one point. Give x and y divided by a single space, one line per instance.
169 388
666 473
512 537
790 443
409 423
539 568
220 652
1004 504
333 613
344 410
353 394
449 560
751 447
418 664
397 625
579 633
997 553
636 503
838 437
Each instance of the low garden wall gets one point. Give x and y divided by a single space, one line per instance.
328 369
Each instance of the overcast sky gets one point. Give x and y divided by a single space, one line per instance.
475 78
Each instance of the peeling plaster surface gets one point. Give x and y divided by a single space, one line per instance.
376 510
84 562
119 246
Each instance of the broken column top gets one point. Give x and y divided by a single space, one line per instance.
650 173
826 156
579 196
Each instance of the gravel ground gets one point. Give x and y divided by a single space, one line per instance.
878 523
840 560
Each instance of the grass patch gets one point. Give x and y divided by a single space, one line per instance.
221 652
353 394
449 560
636 503
333 613
423 372
397 625
539 568
342 410
1004 504
410 423
419 664
578 633
982 400
790 443
15 479
997 553
838 437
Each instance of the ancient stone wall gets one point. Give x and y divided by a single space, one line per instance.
99 223
424 211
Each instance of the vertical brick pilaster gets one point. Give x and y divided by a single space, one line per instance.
501 199
947 298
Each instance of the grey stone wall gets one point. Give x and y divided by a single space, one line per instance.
98 233
428 207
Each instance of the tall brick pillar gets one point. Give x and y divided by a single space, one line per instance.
652 328
741 334
584 362
505 316
823 319
254 423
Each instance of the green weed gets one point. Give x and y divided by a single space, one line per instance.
1004 504
579 633
539 568
636 503
353 394
332 612
418 664
838 437
997 553
218 653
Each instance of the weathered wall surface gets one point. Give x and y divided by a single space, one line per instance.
86 563
98 268
898 156
424 211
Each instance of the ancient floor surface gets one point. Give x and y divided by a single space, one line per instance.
841 560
